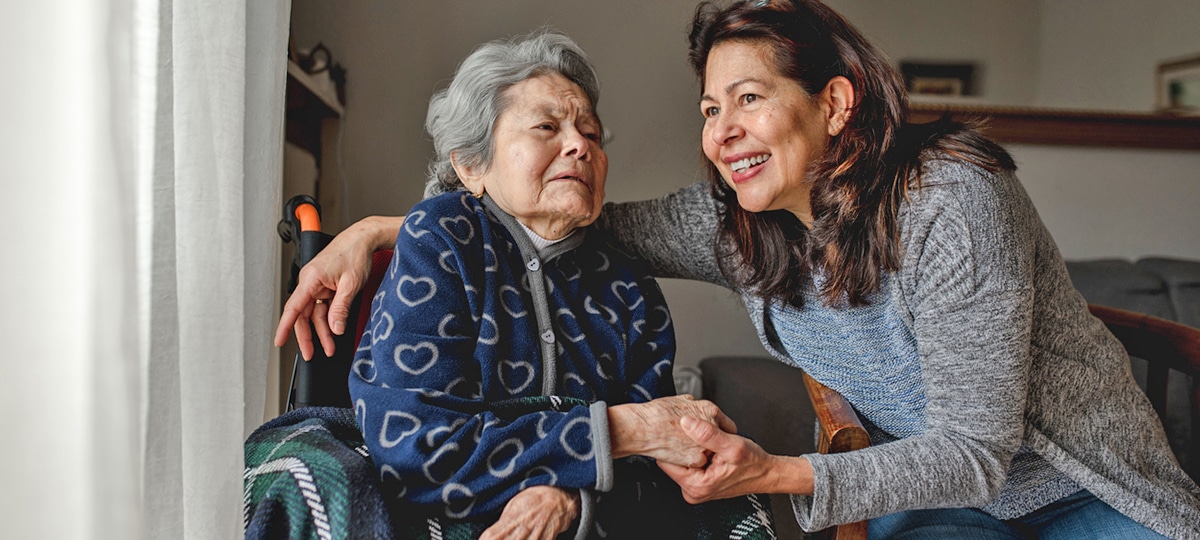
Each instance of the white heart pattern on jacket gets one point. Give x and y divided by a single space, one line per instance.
489 334
590 306
581 455
507 469
431 436
364 367
628 292
442 326
388 470
538 471
407 356
418 290
563 314
382 329
442 450
459 228
490 262
400 418
470 498
509 293
415 218
509 379
446 265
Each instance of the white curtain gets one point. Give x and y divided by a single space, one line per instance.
139 186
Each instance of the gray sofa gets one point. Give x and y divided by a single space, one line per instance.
767 399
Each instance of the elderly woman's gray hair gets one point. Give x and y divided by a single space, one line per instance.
462 117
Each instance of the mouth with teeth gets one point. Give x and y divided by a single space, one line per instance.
746 167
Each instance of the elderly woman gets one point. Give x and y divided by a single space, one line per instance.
511 350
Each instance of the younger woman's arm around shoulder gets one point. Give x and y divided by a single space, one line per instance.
675 233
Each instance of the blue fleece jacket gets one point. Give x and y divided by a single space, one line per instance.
470 326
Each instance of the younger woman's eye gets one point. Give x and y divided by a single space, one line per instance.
710 112
749 98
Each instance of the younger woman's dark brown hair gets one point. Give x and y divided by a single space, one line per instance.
860 181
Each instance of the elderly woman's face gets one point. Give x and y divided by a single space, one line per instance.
547 169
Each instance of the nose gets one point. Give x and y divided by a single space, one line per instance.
723 129
577 145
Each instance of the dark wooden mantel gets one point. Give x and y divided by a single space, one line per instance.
1073 127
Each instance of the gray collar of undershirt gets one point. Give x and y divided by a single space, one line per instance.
541 244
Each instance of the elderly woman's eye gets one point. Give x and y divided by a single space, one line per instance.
710 112
592 136
547 126
749 98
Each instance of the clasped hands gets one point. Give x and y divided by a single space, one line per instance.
692 440
694 443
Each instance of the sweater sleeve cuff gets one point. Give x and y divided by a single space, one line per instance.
602 446
812 512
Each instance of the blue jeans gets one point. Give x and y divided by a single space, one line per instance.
1081 515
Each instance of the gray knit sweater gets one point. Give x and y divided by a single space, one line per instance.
1009 355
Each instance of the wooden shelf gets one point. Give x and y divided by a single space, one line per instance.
311 101
318 86
1073 127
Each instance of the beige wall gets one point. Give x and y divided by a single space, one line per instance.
1083 54
396 57
1002 36
1104 54
1097 203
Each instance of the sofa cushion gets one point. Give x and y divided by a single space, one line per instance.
1182 279
766 398
1122 284
768 401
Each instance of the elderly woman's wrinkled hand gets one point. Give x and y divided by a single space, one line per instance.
328 283
535 512
652 429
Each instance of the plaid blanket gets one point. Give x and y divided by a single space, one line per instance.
308 475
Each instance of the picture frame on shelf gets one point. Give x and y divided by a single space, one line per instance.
1178 86
945 79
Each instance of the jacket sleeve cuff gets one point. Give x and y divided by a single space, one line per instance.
587 515
602 446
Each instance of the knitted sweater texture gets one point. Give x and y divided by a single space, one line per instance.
1009 356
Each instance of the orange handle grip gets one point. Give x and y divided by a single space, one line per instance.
310 220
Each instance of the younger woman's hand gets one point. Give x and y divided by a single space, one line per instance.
328 283
539 512
738 467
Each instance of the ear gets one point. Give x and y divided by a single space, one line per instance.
839 98
472 177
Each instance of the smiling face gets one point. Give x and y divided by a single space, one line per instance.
548 169
762 130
